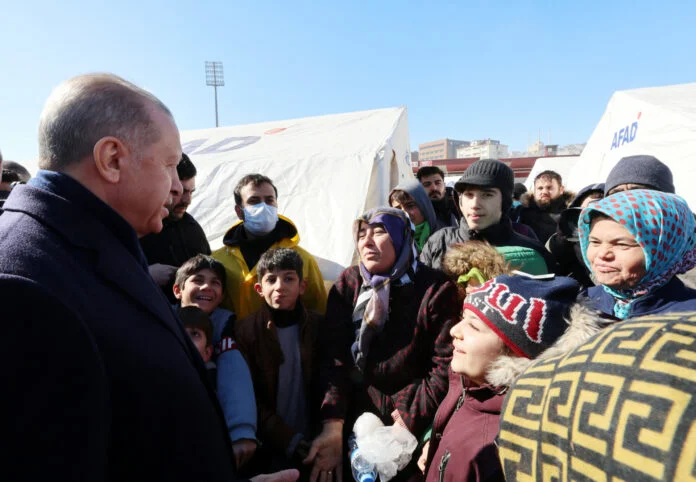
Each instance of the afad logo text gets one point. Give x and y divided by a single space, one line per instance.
625 135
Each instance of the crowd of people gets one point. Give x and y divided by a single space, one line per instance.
135 352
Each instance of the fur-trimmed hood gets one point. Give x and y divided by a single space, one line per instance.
527 200
583 323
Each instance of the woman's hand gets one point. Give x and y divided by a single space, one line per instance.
423 460
326 454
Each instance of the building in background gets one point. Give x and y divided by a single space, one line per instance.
484 149
442 149
414 156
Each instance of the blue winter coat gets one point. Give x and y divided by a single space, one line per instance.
100 381
671 298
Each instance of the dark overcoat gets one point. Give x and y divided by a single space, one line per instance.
99 379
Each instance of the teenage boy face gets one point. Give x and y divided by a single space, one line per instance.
199 339
481 206
202 289
410 207
281 289
475 347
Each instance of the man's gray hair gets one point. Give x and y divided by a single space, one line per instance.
84 109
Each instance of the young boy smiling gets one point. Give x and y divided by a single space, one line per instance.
280 344
200 282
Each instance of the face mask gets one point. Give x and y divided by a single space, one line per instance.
260 219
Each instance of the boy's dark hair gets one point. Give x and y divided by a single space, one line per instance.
198 263
279 259
429 171
194 317
551 175
185 169
256 180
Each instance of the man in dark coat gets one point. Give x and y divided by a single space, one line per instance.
444 198
541 208
485 198
100 380
181 237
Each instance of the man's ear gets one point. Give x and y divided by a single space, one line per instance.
109 155
303 286
562 189
177 292
258 289
239 211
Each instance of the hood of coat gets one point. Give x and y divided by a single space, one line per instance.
420 196
583 323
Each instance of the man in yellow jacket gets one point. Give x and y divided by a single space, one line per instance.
261 228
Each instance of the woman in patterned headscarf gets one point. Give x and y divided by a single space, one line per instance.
635 243
386 339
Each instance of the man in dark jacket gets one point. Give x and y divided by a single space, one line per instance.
101 381
485 197
541 208
181 238
443 198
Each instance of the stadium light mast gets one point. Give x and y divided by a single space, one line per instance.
215 77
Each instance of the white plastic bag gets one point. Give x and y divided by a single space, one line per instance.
389 448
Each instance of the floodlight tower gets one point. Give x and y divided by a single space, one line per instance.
215 77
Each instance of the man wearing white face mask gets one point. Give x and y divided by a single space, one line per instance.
261 228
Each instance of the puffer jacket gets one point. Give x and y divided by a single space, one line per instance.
466 424
500 234
240 296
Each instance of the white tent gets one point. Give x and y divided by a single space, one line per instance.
328 170
562 165
660 121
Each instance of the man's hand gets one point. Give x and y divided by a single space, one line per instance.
326 453
243 450
290 475
423 460
162 273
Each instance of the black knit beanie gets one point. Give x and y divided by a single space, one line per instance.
489 173
647 170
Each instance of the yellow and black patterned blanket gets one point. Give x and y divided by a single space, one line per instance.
620 407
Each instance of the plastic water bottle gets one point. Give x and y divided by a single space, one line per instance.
363 471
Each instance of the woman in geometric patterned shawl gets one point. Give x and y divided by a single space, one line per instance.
635 243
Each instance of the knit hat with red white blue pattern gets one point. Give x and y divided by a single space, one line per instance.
527 312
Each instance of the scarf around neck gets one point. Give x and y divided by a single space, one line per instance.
372 307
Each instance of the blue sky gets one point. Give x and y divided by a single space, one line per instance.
464 69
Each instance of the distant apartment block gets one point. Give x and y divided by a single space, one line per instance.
442 149
483 149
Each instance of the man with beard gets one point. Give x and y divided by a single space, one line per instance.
181 238
443 198
541 208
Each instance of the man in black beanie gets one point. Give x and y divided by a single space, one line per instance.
485 197
639 172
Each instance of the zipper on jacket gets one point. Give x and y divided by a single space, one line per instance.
461 399
443 465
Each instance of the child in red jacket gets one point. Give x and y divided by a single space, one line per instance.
505 322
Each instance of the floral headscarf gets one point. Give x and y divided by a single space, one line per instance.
663 226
